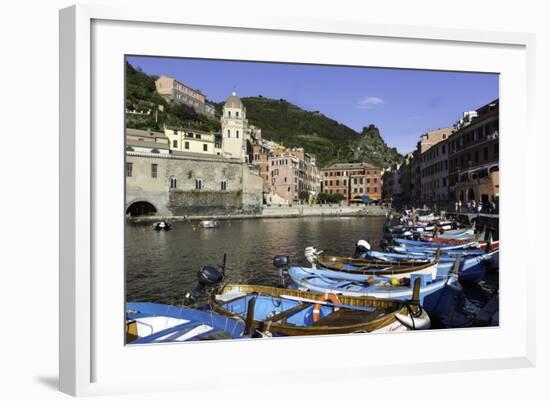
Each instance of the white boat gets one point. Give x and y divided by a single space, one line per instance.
209 223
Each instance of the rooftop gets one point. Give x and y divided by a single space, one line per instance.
147 144
350 165
144 133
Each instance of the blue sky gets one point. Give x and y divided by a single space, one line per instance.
403 103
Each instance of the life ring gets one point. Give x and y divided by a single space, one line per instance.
325 297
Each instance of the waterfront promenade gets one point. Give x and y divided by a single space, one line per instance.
283 211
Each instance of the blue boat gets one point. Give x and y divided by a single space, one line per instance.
425 251
472 268
291 312
157 323
436 295
435 245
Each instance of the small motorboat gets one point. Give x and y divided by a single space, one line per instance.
162 225
157 323
291 312
208 223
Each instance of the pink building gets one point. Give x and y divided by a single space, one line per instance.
284 170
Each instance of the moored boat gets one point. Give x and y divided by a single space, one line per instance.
157 323
208 223
436 295
284 311
162 225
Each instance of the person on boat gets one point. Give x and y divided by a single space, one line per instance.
362 249
162 224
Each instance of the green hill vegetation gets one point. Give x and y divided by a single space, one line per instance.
326 138
279 120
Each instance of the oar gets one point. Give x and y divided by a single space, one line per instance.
248 328
454 273
312 301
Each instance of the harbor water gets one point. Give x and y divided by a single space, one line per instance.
161 266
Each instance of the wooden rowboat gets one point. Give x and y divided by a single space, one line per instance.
290 312
376 267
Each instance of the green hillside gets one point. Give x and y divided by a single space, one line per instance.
329 140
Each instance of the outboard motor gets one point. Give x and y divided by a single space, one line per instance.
362 249
281 262
207 276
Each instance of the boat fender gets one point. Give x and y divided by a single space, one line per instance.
364 244
325 297
419 321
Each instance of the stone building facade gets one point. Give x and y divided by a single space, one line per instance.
169 182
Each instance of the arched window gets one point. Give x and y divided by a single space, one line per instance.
237 134
173 183
198 183
229 133
228 113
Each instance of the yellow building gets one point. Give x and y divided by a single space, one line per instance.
192 141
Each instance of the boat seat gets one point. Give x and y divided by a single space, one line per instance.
345 317
289 312
230 296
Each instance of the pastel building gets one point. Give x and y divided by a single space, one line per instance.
432 167
175 91
353 180
191 141
284 171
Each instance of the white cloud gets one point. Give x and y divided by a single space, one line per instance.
369 102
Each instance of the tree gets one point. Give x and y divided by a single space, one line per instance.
303 196
337 197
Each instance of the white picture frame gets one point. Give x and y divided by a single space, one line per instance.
91 362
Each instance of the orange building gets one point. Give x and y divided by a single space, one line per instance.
353 180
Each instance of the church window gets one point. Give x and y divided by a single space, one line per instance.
237 113
198 183
229 133
237 134
228 114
